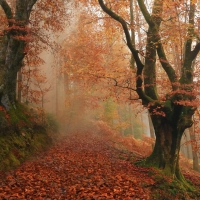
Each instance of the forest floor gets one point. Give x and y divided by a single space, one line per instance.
86 165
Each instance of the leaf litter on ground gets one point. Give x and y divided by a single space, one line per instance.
84 165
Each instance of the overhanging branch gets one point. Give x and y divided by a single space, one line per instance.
166 65
134 52
125 28
121 86
145 12
116 82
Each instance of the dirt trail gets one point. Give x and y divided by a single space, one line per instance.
81 166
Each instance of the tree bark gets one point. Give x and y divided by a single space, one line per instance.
12 49
169 130
152 132
19 90
167 146
194 150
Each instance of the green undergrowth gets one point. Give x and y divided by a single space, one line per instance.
166 188
24 131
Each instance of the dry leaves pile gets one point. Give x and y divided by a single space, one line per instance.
82 166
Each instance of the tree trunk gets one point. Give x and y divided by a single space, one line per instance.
19 89
167 146
187 147
165 154
12 64
12 49
152 132
194 150
131 119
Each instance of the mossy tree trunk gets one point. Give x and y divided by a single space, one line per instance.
172 115
12 50
169 131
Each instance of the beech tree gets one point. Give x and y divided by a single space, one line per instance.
12 48
26 25
170 114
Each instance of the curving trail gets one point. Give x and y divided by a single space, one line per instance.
81 166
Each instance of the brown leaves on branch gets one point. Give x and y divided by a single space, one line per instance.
94 56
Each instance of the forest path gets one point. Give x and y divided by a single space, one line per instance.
81 166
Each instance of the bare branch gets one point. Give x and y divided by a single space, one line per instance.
134 52
166 65
116 82
145 12
121 86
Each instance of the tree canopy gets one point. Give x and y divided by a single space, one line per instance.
147 50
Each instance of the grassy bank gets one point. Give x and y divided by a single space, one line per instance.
24 131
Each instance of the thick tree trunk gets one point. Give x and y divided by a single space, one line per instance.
151 128
165 154
13 62
167 146
12 49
